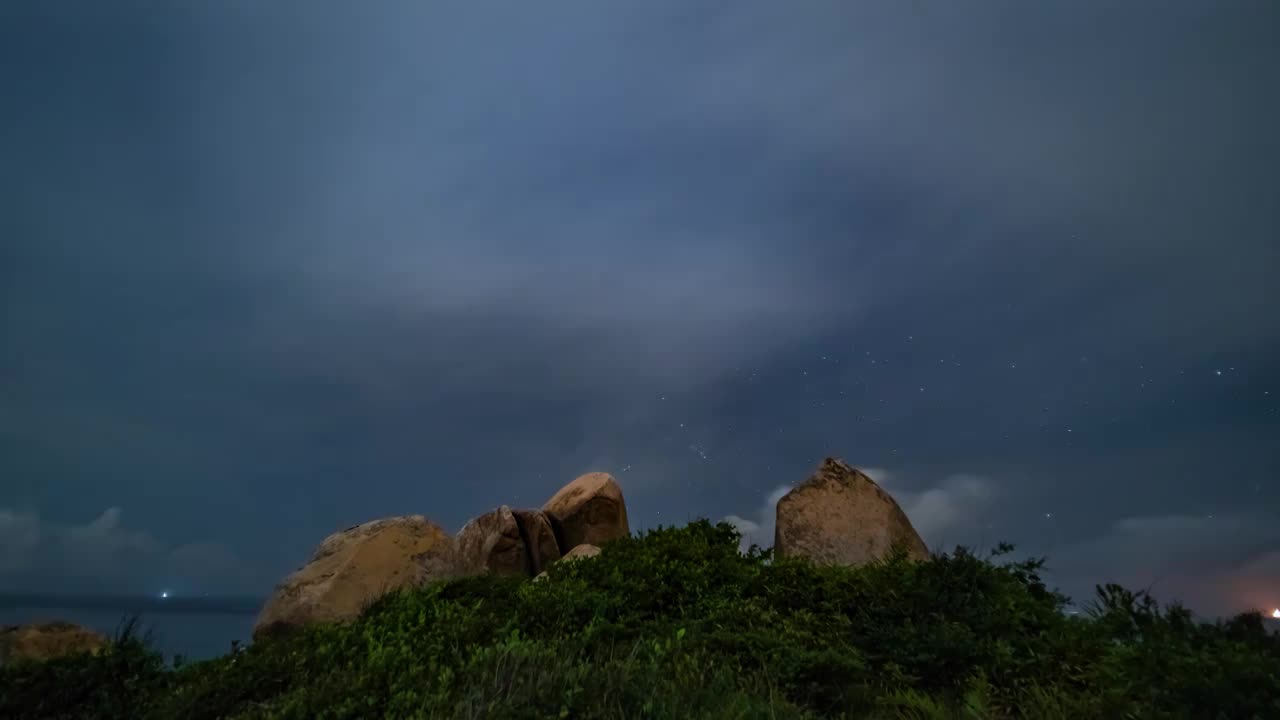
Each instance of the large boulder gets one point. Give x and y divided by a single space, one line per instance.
507 542
352 568
841 516
38 642
590 510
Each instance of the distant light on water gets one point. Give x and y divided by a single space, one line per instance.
164 594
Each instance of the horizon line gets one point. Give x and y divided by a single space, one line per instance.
134 603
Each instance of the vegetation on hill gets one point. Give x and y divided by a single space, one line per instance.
676 623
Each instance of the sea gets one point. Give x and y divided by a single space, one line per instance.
193 628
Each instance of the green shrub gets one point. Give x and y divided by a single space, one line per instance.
115 684
677 623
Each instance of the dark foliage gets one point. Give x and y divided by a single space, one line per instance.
678 624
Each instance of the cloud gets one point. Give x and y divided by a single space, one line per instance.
1251 585
37 555
19 536
952 512
1212 563
760 530
395 252
675 213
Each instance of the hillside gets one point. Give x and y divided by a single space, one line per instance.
677 623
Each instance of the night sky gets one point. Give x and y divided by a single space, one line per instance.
270 269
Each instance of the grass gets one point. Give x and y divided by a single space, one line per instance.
677 623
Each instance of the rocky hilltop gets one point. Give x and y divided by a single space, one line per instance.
839 515
674 623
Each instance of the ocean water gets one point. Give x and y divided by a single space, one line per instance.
194 635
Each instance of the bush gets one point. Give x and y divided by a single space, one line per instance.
678 624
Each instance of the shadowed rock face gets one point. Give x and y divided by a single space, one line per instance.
352 568
508 542
590 510
491 543
46 641
841 516
539 538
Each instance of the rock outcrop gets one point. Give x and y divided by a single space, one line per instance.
45 641
841 516
507 542
578 553
590 510
352 568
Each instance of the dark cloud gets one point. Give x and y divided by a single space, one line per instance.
104 553
269 270
1212 563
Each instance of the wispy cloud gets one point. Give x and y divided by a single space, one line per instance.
953 511
760 529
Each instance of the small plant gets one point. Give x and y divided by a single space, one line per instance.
676 623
